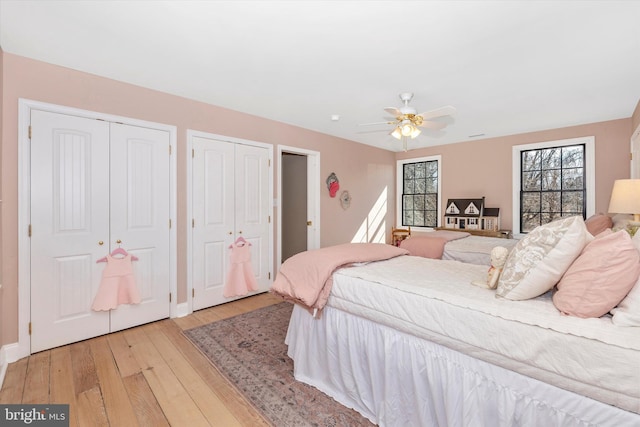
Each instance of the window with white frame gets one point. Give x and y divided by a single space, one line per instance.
552 180
418 192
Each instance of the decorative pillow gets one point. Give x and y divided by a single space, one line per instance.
540 259
600 278
427 247
596 224
627 313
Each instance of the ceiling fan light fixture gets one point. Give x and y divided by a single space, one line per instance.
415 132
407 128
397 133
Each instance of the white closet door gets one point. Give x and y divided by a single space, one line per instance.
69 217
253 207
140 213
213 218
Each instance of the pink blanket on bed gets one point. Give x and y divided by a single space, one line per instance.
431 245
306 278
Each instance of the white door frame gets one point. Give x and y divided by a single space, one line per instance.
189 147
635 150
25 106
313 197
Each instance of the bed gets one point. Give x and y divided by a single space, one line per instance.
409 341
455 245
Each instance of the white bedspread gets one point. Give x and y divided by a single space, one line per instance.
434 299
475 249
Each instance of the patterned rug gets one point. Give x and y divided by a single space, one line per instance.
249 350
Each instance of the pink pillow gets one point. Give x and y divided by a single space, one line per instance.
427 247
600 277
596 224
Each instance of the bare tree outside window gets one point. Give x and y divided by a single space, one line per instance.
420 194
552 185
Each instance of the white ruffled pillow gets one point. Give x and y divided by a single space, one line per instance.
539 260
627 313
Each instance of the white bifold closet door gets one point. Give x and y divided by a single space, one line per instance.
95 186
230 185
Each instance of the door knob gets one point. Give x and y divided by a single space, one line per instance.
118 241
101 243
309 223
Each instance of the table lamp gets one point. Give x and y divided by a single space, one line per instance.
625 198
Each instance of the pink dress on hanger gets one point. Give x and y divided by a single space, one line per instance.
118 285
240 277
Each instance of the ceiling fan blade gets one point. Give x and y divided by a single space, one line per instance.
432 125
376 123
438 112
393 111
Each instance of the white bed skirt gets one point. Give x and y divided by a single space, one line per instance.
395 379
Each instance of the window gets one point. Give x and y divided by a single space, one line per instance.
553 180
419 192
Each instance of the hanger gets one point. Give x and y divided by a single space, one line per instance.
118 251
240 241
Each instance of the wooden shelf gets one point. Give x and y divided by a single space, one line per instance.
504 234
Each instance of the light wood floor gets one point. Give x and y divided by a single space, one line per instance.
150 375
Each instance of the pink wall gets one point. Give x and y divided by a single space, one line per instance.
2 308
470 168
483 167
366 171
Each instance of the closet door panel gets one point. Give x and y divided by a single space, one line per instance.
140 213
69 217
253 207
213 218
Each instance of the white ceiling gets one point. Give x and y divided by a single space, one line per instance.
507 66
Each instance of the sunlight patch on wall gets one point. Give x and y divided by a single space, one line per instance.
372 229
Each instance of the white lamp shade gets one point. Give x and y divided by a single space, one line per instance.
397 134
407 129
625 197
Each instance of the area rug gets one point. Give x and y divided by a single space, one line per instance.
249 350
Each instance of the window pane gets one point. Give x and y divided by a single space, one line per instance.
573 157
431 218
431 202
530 221
418 202
530 160
531 181
530 202
551 202
418 218
572 202
551 180
431 185
572 179
408 218
408 186
420 194
409 171
551 158
552 184
407 202
432 169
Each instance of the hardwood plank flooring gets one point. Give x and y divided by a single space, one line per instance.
150 375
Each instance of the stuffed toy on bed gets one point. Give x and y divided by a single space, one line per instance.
498 259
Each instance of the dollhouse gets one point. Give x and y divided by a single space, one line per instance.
471 214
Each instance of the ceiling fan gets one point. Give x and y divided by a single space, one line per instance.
407 122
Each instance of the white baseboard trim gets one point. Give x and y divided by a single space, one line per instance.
182 310
8 354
